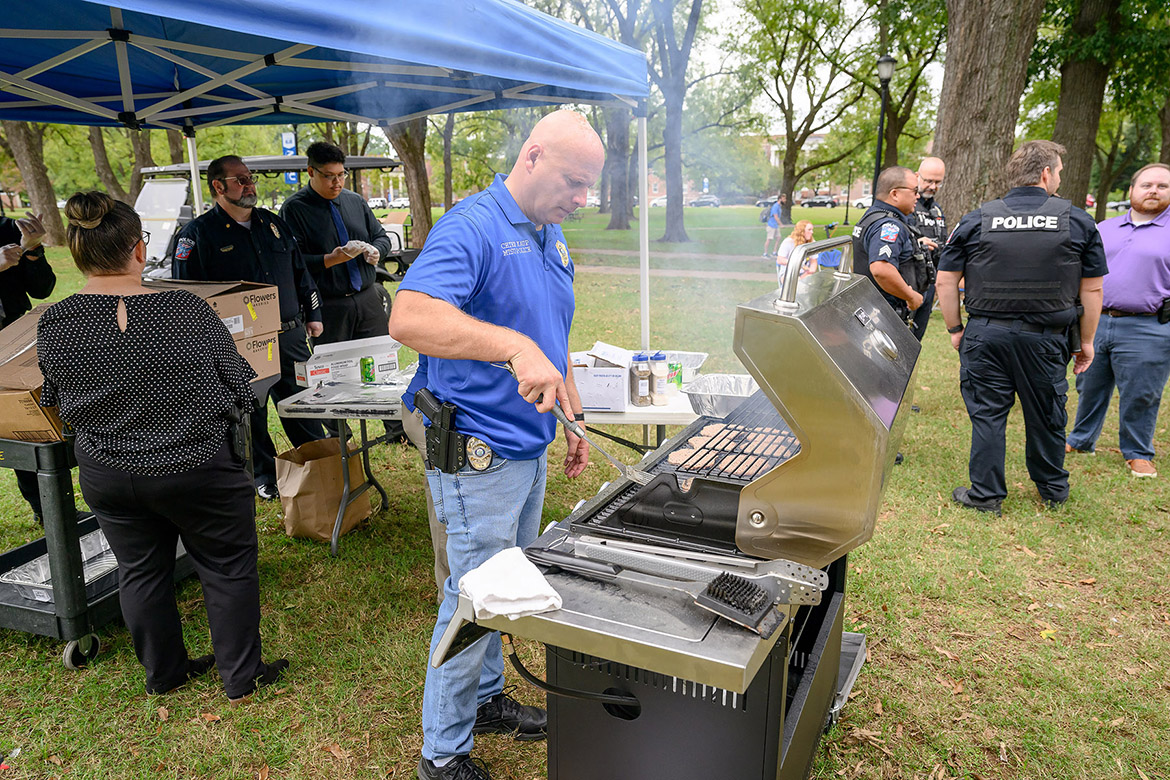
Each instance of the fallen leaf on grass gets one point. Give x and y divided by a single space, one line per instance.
1003 757
956 687
336 750
1141 774
877 708
1017 633
1130 670
949 655
209 717
263 773
1033 606
55 760
1117 721
1049 633
1028 552
938 529
163 713
1088 581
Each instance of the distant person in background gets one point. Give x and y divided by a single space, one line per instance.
325 217
150 383
24 273
802 233
1133 339
928 221
773 223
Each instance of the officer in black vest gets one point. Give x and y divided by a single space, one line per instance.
885 249
238 241
931 227
1026 259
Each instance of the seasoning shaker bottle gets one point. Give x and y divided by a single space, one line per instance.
658 375
640 380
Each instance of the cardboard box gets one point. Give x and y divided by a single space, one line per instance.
21 415
341 362
601 388
249 310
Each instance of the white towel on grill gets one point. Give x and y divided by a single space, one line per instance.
508 584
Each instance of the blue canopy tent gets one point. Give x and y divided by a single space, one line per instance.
183 65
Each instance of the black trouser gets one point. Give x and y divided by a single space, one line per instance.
998 363
212 509
922 313
357 316
294 346
26 481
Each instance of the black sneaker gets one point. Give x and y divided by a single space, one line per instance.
962 496
267 492
270 674
1054 503
501 714
459 768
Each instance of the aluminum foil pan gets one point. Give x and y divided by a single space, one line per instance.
717 395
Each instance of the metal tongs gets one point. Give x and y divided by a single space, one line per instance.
629 472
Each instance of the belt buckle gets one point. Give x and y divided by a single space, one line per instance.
479 454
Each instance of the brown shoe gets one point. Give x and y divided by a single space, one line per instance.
1140 467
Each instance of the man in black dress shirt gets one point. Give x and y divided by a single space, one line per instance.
324 217
1025 260
238 240
24 272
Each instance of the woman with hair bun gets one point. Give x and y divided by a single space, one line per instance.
148 381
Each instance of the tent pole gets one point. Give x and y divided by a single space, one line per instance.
643 233
193 161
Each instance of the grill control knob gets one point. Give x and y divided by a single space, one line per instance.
757 519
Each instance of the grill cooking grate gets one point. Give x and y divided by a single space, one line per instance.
750 441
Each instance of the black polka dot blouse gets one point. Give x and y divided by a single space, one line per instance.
153 399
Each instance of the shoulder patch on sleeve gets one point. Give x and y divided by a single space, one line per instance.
952 235
889 232
183 248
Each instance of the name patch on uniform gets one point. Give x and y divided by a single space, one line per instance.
889 232
515 247
564 253
183 248
1026 222
227 248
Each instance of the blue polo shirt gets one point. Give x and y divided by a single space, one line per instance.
774 215
487 259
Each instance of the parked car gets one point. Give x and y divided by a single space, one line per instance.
659 202
1091 202
705 200
1117 205
819 200
760 203
863 202
376 203
592 202
401 202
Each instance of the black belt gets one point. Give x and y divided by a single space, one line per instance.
1120 313
1020 325
292 324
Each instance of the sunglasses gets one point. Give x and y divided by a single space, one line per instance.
244 181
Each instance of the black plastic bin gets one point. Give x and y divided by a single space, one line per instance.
71 615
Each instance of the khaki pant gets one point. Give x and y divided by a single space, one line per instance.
415 430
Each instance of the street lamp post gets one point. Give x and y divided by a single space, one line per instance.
885 69
848 191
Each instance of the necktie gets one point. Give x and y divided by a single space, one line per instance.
355 273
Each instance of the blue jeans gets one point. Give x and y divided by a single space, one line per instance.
1132 353
485 512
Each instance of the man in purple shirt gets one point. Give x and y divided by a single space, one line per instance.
1133 339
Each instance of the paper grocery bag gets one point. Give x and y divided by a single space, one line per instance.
310 482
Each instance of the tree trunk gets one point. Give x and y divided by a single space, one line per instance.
603 187
27 141
448 184
980 100
672 142
176 145
409 140
143 158
617 136
97 142
1082 91
1164 117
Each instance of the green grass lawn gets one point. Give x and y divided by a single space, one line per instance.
1028 646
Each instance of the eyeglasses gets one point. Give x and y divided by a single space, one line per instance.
332 177
935 182
895 189
245 180
145 239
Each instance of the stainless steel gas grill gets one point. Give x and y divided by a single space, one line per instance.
719 681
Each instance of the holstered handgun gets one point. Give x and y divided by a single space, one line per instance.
1164 312
239 434
446 447
1074 330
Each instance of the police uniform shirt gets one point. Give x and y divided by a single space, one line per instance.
31 276
889 240
311 220
1085 244
486 258
928 219
213 247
